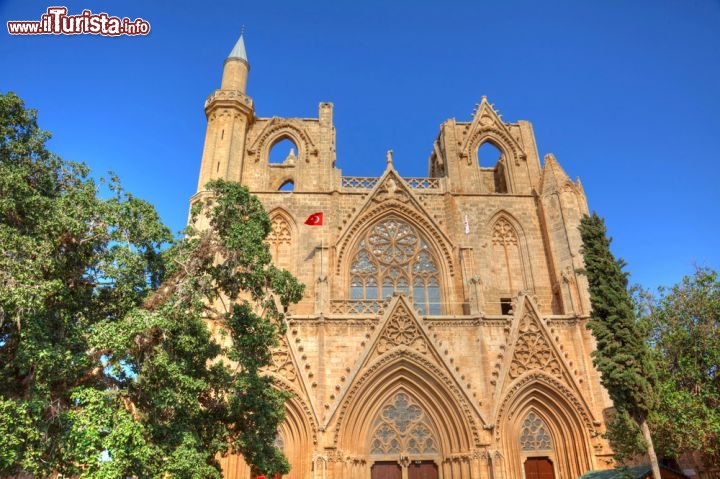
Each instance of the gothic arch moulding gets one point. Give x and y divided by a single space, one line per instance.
278 129
566 419
348 241
283 183
487 126
298 436
423 382
285 375
283 239
497 137
507 236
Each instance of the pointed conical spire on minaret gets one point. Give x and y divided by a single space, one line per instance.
553 176
238 50
236 69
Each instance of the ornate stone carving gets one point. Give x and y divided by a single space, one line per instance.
278 128
403 211
402 427
504 233
559 389
392 257
487 125
390 190
401 330
534 435
533 351
449 387
282 363
280 232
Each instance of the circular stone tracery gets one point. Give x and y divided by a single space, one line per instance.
394 258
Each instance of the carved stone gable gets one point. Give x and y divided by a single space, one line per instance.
282 363
391 189
533 350
401 330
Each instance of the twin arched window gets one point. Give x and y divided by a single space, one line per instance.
392 257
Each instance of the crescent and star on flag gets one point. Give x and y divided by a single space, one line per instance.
315 219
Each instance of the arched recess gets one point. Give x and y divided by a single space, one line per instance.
283 150
283 240
488 154
566 420
510 266
297 435
278 130
287 185
500 139
425 384
508 147
348 243
491 158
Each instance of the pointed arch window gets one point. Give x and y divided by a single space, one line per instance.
508 270
392 257
488 154
402 427
280 241
534 435
282 151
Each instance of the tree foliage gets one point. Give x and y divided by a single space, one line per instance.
622 355
685 336
108 367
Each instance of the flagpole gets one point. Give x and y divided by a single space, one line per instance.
316 219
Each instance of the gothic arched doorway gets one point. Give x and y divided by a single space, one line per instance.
403 430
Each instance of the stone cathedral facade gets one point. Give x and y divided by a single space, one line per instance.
443 329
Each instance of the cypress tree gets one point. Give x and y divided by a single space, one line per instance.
622 355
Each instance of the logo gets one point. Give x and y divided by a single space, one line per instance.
56 21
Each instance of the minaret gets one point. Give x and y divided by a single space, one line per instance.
229 112
236 68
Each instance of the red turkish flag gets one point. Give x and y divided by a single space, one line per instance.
315 219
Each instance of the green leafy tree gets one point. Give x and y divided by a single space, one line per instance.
622 355
685 337
108 367
67 261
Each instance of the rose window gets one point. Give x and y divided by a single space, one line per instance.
392 257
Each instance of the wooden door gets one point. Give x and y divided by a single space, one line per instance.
386 470
422 470
539 468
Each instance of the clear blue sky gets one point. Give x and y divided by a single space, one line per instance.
625 93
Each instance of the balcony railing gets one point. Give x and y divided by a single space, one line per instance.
377 306
369 182
358 306
423 183
359 182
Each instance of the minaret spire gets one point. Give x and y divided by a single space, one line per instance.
235 72
238 50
